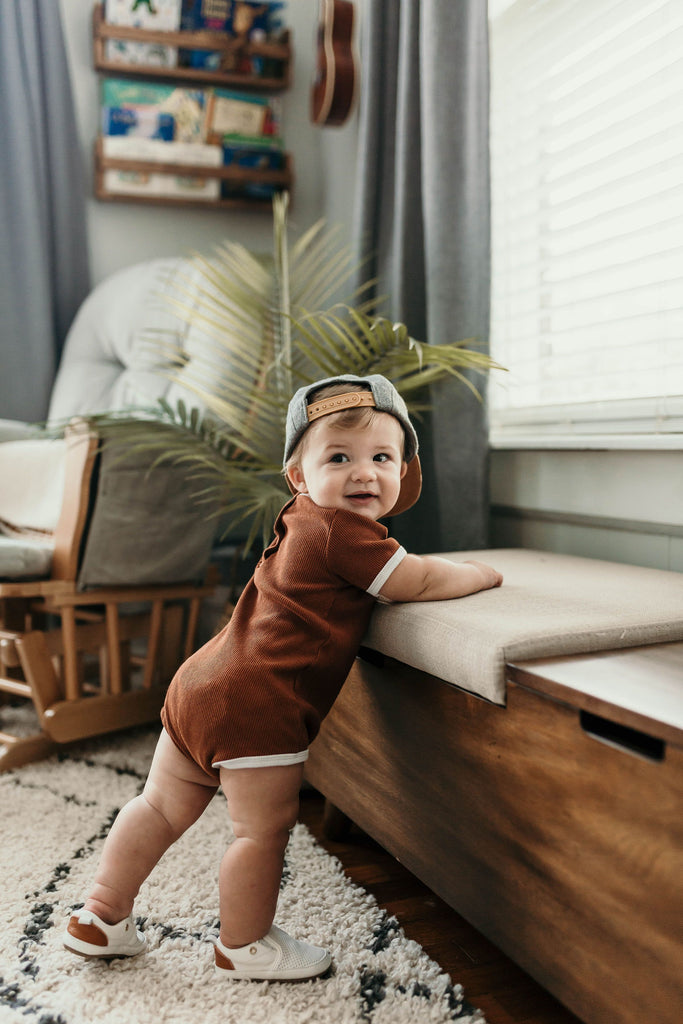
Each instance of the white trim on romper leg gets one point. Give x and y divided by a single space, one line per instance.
263 760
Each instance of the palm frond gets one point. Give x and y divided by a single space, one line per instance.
365 344
261 327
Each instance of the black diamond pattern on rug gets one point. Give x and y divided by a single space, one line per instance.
56 815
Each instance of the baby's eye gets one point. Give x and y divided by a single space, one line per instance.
382 457
339 457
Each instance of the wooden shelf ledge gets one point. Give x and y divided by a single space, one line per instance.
218 42
282 180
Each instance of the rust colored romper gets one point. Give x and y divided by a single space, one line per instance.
256 693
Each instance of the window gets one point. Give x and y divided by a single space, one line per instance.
587 222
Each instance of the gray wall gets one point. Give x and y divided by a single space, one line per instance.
626 506
121 234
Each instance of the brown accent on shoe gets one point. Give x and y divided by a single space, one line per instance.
87 932
223 961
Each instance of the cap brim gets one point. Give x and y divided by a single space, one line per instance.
411 485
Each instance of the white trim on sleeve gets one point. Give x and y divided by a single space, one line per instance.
263 760
384 573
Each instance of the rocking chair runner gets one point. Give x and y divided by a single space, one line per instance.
51 633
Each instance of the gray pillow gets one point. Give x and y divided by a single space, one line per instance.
147 526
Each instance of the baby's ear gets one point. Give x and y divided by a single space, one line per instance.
404 469
295 479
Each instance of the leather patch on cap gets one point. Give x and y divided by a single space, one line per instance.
223 961
87 932
338 403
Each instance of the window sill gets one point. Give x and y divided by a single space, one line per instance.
636 424
545 441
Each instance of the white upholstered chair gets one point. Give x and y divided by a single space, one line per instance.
103 560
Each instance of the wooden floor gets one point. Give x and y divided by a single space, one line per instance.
491 981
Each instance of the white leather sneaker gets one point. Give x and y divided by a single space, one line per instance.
87 935
275 957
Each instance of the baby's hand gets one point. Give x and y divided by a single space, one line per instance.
491 577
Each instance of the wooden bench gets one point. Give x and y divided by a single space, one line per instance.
552 822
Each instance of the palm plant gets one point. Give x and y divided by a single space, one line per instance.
262 343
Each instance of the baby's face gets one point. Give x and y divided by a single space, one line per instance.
358 469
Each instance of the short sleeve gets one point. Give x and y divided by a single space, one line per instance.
361 553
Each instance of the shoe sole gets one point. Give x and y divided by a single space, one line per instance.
101 956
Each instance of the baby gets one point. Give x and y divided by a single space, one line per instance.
242 711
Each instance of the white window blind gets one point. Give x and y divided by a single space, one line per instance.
587 221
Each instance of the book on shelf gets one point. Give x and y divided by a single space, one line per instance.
147 183
186 106
243 113
139 122
158 15
244 20
205 15
257 153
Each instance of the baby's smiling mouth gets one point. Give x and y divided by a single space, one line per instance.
361 496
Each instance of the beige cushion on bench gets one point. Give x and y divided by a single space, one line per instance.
548 605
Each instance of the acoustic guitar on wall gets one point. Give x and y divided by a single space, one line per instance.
335 85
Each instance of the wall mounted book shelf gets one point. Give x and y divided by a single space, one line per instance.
277 53
138 178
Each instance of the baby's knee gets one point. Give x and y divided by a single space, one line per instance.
164 810
287 818
272 824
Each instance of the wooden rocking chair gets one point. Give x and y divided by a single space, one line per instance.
90 661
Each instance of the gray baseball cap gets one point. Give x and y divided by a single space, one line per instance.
383 396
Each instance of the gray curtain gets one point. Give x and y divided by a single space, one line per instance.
423 217
43 254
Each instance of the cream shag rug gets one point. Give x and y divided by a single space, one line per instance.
55 815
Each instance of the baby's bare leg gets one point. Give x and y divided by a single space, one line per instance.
175 795
263 804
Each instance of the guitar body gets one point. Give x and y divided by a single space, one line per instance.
336 79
